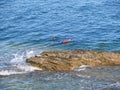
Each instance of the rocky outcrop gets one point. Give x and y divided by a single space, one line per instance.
69 60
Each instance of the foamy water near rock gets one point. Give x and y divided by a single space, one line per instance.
69 60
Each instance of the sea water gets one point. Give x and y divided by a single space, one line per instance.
28 27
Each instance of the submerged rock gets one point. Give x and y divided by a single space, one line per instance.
69 60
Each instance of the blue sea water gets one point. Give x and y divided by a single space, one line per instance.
27 27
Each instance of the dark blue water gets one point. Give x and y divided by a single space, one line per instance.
27 27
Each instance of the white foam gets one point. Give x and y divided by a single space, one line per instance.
9 72
18 63
21 57
30 54
81 68
83 76
18 58
18 69
27 68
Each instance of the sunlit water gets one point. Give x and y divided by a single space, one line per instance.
27 28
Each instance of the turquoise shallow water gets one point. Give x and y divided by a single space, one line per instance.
27 28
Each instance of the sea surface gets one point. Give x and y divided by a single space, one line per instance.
29 27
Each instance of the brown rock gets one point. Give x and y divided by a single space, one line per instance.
68 60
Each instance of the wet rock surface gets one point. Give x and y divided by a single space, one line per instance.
69 60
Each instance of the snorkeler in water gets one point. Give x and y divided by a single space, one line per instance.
63 42
66 41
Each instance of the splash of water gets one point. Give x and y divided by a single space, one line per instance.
18 58
30 54
19 65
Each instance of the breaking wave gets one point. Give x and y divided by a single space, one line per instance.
19 65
